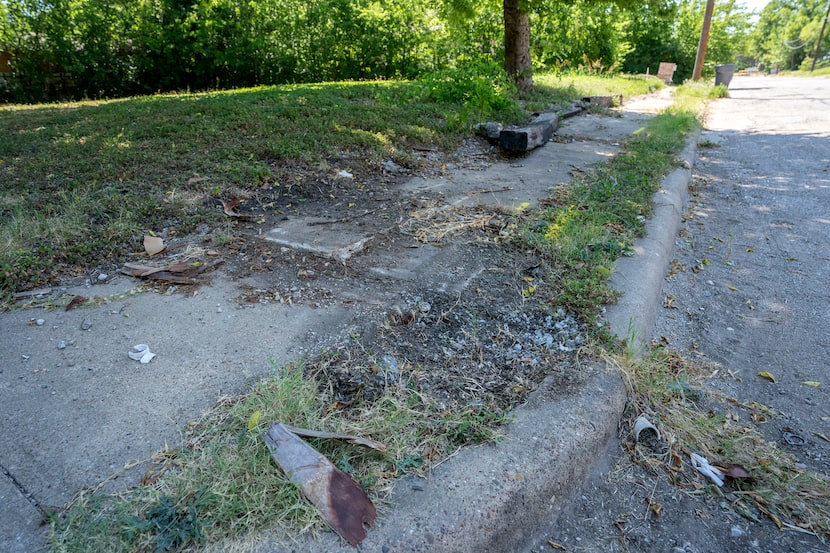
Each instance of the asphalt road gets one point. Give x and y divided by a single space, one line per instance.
749 289
759 216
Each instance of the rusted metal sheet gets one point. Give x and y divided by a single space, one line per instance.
343 504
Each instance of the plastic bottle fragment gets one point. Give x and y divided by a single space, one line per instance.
142 353
703 467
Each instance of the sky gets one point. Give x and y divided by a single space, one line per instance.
755 5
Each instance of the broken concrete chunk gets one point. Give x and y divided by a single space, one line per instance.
571 111
490 131
546 116
344 505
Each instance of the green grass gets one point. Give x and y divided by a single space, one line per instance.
81 183
223 483
819 72
593 221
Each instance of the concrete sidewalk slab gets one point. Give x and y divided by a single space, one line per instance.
70 421
531 180
21 526
325 237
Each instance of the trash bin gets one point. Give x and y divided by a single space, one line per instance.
723 74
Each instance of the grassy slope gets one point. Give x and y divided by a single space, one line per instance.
81 183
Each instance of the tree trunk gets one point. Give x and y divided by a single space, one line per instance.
517 45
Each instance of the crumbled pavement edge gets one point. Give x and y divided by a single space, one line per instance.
498 497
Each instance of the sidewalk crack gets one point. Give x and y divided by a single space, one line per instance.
26 494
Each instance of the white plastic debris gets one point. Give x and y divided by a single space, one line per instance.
704 468
142 353
343 174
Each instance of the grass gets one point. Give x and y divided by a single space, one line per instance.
671 391
590 223
819 72
81 183
223 483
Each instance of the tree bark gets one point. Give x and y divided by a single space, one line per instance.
517 45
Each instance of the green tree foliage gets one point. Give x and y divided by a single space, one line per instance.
670 32
786 34
107 48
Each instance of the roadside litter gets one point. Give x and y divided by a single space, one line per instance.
142 353
343 504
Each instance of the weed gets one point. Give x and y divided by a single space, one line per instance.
224 483
597 218
170 525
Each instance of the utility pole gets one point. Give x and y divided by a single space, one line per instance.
704 40
820 36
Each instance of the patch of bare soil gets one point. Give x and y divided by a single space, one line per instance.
483 344
467 350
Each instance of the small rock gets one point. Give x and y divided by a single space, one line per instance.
61 345
391 167
102 277
40 322
490 131
86 324
737 531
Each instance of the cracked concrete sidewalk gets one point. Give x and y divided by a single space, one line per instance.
74 416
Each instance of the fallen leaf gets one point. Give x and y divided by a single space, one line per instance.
767 375
254 420
734 470
153 244
811 383
228 206
75 302
655 506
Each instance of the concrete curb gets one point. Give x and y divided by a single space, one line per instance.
494 498
640 276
